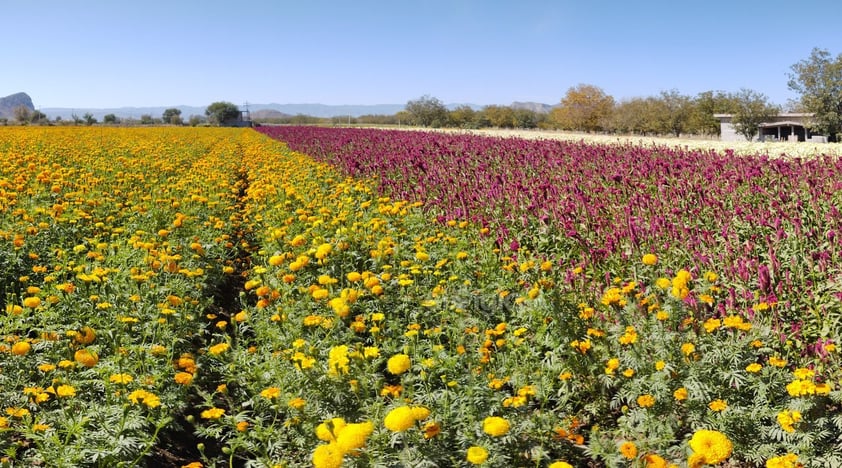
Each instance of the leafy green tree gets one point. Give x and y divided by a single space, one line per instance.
818 79
195 120
705 106
89 118
172 116
525 118
146 119
750 110
500 116
109 119
222 111
463 117
584 107
427 111
675 112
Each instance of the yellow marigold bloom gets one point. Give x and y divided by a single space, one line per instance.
46 367
712 324
398 364
270 393
659 365
399 419
218 348
337 361
776 361
142 396
297 403
718 405
628 450
213 413
790 460
688 348
32 302
353 436
476 455
787 420
654 461
711 447
628 373
328 430
323 250
328 456
646 401
183 378
495 426
86 358
754 368
431 429
20 348
803 373
612 366
420 412
242 426
680 394
560 464
649 259
65 391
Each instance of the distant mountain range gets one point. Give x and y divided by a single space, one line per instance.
264 110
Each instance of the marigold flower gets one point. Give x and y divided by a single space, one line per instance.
710 447
431 429
628 450
495 426
649 259
718 405
654 461
183 378
787 420
353 436
32 302
86 358
328 456
680 394
646 401
21 347
399 419
560 464
142 396
398 364
688 348
790 460
212 413
476 455
270 393
65 391
754 368
218 348
328 430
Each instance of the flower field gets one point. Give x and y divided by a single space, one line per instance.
210 297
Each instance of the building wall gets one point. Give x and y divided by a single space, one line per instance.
729 133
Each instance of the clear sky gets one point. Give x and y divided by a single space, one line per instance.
114 53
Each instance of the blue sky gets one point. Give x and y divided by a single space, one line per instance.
114 53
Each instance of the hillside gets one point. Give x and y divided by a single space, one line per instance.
10 102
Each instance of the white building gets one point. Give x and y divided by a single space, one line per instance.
793 126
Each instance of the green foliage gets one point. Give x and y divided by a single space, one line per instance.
172 116
818 79
222 111
427 111
750 110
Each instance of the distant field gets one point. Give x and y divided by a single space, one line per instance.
739 147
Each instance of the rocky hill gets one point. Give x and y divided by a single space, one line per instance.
9 103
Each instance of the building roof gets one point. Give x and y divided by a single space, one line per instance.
784 123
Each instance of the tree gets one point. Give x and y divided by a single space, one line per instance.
427 111
463 117
172 116
89 118
221 111
819 81
109 119
22 114
705 105
195 120
676 109
500 116
146 119
750 110
584 107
